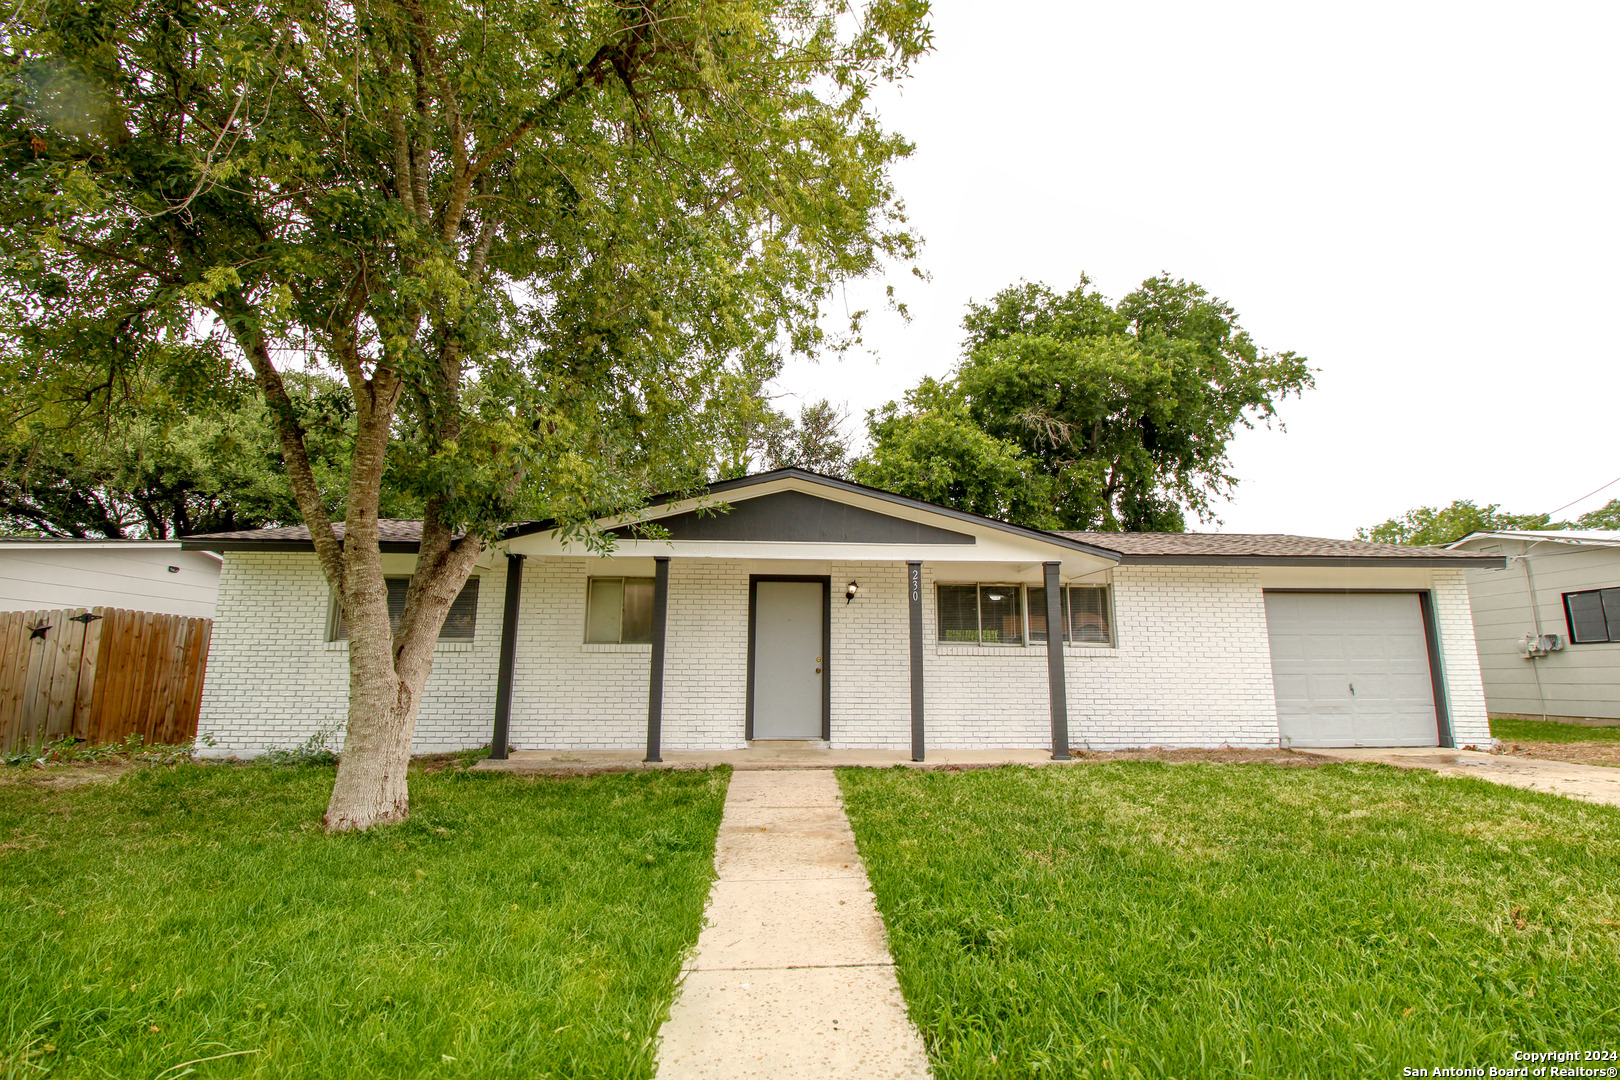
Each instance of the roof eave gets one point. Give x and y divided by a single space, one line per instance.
1453 562
407 547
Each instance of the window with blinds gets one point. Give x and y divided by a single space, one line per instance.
1085 615
980 614
459 624
619 611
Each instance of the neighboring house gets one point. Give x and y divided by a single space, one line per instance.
137 575
819 609
1548 625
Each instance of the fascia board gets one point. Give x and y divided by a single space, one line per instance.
986 534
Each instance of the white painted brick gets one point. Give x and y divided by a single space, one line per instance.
1192 666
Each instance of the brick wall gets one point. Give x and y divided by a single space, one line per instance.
1191 665
274 681
1459 659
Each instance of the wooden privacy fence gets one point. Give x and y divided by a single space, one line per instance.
100 674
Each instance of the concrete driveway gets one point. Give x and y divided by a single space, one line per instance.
1594 783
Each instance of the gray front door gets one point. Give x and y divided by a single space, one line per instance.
788 659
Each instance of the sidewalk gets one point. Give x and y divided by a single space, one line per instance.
791 976
1593 783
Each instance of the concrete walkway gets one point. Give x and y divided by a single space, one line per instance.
777 755
791 976
1594 783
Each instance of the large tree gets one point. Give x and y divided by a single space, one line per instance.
528 234
1125 409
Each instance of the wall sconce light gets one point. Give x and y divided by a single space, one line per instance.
849 593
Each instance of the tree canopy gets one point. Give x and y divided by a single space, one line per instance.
528 235
1089 414
158 467
1438 526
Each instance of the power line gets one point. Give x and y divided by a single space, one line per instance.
1588 495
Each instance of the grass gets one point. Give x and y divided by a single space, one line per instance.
1547 731
513 927
1144 919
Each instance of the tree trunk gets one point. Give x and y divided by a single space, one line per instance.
371 787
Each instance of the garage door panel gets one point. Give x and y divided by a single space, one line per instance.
1323 644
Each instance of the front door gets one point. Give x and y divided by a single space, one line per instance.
788 676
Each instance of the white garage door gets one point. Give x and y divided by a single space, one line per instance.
1351 669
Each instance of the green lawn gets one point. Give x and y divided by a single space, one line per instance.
513 927
1143 919
1550 732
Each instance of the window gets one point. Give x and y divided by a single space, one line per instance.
981 614
619 611
1594 616
1085 615
458 625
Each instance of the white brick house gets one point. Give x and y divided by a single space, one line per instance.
814 609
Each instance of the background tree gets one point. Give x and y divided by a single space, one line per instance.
1127 409
529 235
1438 526
155 468
929 448
752 435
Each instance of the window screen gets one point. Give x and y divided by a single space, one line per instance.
1001 615
1037 613
459 624
1085 615
1088 615
959 613
619 610
1594 616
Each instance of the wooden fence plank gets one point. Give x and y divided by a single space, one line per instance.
85 691
10 680
196 671
111 673
37 628
163 669
64 689
152 654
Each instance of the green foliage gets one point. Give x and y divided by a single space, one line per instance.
1606 516
157 466
1143 919
530 236
930 449
1438 526
514 927
1122 412
752 435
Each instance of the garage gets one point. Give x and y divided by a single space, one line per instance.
1352 669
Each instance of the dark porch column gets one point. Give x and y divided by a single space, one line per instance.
503 674
914 601
655 673
1056 685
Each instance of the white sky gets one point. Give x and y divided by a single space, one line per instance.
1419 197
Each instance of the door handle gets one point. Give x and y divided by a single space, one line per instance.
818 671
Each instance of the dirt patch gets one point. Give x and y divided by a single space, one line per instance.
1223 756
63 777
1582 753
